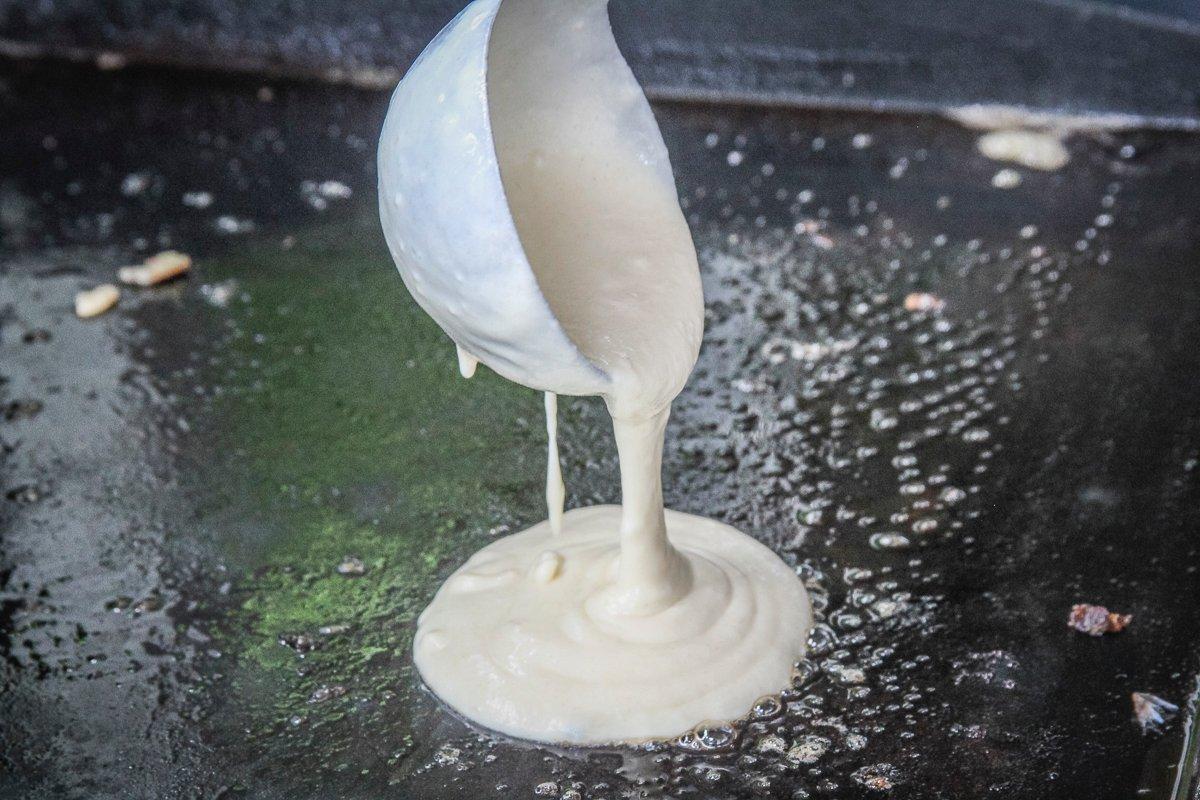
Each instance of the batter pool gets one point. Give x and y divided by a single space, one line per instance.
523 638
614 623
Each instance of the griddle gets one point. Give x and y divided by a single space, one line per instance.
183 477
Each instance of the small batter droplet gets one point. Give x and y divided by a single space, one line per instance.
466 363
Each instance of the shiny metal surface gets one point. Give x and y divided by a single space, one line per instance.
183 478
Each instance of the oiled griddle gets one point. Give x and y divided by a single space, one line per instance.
184 476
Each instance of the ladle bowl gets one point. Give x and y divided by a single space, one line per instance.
447 221
527 198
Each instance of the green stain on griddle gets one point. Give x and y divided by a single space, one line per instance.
344 429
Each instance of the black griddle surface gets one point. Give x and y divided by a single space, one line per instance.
183 476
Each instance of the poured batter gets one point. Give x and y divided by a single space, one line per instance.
630 622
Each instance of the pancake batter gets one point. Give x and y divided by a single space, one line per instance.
613 623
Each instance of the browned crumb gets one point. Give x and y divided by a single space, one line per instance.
923 301
94 302
1097 620
156 269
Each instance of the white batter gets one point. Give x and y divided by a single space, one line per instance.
556 490
630 623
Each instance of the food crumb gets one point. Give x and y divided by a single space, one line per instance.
299 642
24 495
1151 710
923 301
1006 179
197 199
94 302
1033 149
352 566
324 693
332 630
109 61
156 269
22 409
1097 620
877 777
36 336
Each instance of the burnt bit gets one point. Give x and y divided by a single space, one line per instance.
118 604
24 495
150 603
1097 620
22 409
326 693
301 643
36 336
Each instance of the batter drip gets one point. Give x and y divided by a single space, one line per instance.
612 623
